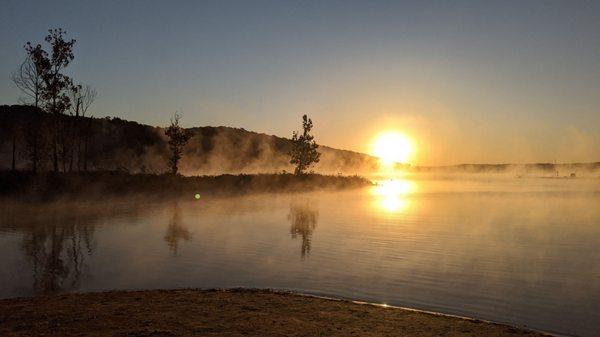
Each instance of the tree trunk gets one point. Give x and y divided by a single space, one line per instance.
79 153
85 150
55 144
71 154
34 157
55 154
74 133
86 139
63 152
72 151
14 152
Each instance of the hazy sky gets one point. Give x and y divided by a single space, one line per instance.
468 81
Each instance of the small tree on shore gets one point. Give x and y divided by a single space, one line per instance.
304 148
178 137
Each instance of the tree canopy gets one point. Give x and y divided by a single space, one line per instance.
304 148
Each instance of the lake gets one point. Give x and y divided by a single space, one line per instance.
520 251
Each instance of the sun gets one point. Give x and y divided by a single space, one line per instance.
393 147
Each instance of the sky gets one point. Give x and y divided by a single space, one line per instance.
466 81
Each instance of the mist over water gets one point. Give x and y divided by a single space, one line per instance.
522 251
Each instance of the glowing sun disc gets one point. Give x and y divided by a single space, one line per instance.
393 147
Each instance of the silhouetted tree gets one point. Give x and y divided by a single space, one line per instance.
82 97
178 137
28 78
54 91
13 165
14 133
304 148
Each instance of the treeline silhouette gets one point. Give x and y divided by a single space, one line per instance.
29 133
121 145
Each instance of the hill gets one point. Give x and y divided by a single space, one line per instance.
117 144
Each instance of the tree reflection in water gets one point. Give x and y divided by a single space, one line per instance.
57 253
303 219
176 230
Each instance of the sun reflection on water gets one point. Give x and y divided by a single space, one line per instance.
391 194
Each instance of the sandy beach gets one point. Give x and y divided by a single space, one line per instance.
234 312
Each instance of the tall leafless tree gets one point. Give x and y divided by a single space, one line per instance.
28 78
82 96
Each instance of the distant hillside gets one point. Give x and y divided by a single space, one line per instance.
533 169
117 144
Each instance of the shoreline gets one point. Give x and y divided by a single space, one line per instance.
236 311
428 312
48 186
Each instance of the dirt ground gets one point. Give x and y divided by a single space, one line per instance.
224 313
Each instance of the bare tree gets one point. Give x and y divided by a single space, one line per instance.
81 96
304 148
178 137
88 96
28 78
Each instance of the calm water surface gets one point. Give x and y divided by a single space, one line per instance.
521 251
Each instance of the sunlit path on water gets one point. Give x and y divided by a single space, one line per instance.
392 195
